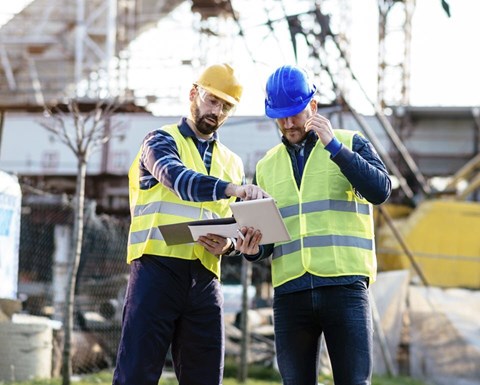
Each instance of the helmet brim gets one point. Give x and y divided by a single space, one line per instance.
279 113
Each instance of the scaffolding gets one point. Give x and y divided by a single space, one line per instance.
53 49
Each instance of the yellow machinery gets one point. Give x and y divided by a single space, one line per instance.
439 238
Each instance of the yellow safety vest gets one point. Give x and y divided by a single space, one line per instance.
160 206
331 228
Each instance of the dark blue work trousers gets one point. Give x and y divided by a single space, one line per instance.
342 313
175 302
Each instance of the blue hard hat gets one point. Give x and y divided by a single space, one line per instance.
288 92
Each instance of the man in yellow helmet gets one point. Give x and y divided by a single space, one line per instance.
324 182
181 173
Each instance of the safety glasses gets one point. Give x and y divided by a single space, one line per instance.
213 102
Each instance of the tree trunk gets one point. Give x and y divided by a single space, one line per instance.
73 270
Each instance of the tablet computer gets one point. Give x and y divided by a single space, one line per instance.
261 214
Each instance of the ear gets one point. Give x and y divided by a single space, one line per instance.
313 105
193 93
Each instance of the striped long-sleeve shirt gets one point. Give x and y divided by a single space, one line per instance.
160 163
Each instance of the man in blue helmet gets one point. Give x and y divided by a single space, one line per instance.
325 182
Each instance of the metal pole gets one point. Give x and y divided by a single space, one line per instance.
404 246
80 33
111 41
245 342
2 121
382 339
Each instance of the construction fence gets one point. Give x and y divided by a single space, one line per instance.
44 250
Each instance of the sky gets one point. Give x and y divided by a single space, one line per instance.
446 54
445 65
7 8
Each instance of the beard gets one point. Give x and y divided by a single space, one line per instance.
203 125
297 133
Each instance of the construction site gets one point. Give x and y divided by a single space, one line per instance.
132 62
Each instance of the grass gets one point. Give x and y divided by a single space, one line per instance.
258 375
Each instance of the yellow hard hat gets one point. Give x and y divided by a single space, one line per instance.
220 80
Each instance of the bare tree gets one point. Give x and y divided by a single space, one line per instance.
83 133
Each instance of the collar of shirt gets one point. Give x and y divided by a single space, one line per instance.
308 142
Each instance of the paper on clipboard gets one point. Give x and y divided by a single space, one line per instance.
261 214
180 233
227 231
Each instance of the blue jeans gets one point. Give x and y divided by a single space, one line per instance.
343 315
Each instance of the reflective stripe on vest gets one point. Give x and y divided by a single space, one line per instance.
322 241
310 207
167 208
331 227
158 205
173 209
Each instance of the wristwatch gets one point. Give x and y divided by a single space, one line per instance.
231 249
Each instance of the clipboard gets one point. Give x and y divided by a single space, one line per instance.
179 233
261 214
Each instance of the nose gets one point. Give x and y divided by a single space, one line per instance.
288 122
217 108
